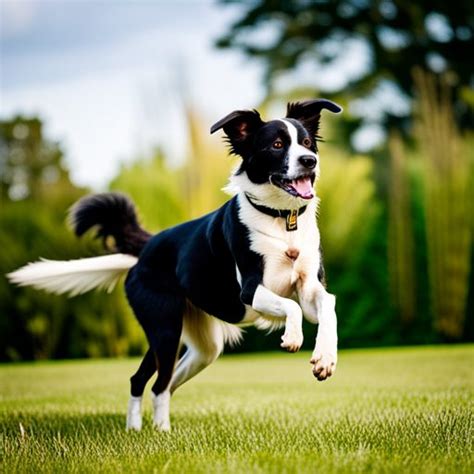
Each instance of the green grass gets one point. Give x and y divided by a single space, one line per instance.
385 410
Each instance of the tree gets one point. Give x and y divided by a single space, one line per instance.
35 193
29 164
288 36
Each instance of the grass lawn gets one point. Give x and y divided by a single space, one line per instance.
385 410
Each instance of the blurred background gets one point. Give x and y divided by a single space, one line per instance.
120 95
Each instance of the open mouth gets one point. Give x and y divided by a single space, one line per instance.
299 187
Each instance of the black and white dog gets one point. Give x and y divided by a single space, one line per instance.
256 260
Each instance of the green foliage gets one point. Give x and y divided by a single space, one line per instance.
346 217
33 324
447 166
430 214
390 411
154 187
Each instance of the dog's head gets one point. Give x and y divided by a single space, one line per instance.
279 157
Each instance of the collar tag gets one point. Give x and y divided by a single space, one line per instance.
292 220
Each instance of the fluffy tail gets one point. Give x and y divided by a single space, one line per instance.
112 215
74 276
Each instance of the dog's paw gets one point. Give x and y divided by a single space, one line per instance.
134 414
292 339
162 425
161 411
324 364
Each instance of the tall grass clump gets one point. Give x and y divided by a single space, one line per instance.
400 233
447 175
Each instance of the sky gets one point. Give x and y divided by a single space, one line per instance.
109 77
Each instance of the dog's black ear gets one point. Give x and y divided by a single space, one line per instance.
309 112
239 126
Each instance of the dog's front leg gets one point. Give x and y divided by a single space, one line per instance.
320 307
265 301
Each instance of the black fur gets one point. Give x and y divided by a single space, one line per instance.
308 113
195 261
111 214
240 127
144 373
321 271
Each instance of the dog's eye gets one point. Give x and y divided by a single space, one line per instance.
307 142
278 144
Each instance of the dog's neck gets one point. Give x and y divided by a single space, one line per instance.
266 195
290 215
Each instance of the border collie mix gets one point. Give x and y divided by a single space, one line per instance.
256 260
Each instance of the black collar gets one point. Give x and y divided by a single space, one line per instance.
291 215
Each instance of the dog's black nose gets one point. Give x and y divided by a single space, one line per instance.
307 161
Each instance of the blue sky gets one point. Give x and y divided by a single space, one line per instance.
107 76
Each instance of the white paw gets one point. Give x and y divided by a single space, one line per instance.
161 411
324 363
292 339
134 414
162 424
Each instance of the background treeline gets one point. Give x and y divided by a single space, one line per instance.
397 224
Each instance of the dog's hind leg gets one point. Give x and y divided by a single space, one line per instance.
204 337
143 374
165 345
164 337
161 316
137 386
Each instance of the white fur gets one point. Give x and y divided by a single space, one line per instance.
74 276
295 151
134 413
267 302
269 238
285 278
204 337
161 410
324 355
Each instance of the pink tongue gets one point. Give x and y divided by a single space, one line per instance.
303 187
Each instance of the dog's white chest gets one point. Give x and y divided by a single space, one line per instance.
287 261
289 257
